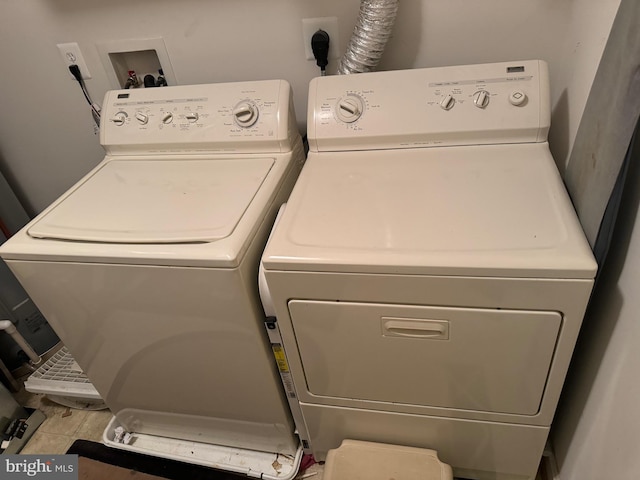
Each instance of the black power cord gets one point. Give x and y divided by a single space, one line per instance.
320 48
95 109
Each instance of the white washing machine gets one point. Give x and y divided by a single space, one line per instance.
147 267
429 275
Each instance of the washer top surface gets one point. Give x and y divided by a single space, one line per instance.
193 210
156 201
493 210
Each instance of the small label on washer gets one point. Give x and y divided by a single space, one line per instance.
281 358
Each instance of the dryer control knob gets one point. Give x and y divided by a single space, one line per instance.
517 98
481 99
245 114
119 118
192 117
143 118
447 102
167 118
350 109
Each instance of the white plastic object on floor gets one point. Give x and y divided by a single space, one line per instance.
380 461
64 382
254 464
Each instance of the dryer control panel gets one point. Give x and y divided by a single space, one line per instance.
234 117
464 105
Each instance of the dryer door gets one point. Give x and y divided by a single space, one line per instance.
465 358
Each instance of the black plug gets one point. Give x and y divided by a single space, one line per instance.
75 71
320 47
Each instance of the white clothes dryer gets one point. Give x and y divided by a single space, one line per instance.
147 267
429 274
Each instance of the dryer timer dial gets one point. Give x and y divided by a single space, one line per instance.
350 108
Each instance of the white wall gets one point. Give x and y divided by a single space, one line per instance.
46 139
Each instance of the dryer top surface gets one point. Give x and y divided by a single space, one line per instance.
495 210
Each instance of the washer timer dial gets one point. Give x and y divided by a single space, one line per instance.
245 114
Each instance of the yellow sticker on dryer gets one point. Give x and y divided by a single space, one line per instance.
281 358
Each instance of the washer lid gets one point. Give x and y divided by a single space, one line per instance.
496 210
157 201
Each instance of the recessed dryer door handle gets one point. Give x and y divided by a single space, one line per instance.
415 328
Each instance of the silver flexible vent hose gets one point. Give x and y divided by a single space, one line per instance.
370 36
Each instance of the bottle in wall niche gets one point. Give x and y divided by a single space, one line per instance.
161 82
132 80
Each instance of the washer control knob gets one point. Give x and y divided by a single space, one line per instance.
143 118
192 117
447 102
119 118
517 98
481 99
350 109
167 118
245 114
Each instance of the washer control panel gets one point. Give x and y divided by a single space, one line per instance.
465 105
244 116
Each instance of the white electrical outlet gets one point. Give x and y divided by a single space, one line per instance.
312 25
71 55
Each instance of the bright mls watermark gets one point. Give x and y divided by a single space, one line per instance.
51 467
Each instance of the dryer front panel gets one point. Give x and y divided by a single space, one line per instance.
491 360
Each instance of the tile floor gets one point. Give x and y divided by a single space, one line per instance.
65 425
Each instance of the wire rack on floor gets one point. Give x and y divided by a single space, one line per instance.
64 382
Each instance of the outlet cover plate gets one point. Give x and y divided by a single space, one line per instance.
312 25
71 55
